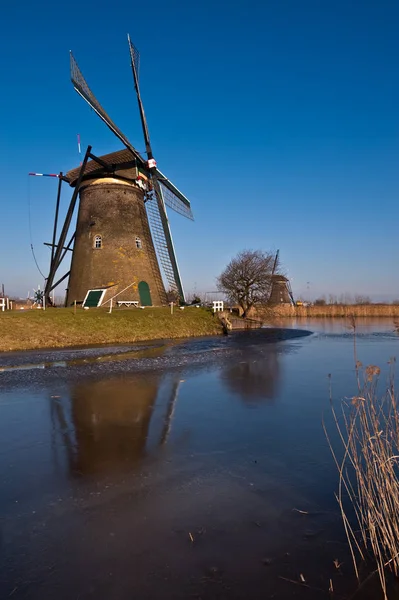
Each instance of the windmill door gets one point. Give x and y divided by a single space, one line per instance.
145 295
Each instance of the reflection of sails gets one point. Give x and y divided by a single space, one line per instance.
170 411
111 424
254 378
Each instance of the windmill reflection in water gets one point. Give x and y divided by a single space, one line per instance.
109 426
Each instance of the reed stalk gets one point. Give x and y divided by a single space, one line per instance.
368 429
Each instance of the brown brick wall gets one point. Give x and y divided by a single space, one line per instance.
115 211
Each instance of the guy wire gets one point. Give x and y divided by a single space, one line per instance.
30 232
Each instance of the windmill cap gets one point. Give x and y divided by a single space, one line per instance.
121 157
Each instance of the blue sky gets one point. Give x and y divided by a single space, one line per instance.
279 119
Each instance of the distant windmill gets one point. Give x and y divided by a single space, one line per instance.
122 236
281 292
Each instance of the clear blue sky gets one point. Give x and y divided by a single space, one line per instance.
279 119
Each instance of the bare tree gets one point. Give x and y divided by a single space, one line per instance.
345 299
359 299
247 279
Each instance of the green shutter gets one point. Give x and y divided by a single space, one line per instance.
93 298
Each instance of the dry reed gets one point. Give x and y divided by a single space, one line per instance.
368 427
337 311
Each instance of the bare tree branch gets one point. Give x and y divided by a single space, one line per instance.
247 279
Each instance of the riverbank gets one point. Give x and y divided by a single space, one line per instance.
62 328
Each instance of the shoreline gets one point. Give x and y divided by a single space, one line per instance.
62 328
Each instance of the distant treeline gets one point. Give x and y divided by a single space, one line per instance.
346 299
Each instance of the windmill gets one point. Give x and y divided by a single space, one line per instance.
281 292
122 238
101 436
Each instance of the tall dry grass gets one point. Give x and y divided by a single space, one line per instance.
368 467
338 310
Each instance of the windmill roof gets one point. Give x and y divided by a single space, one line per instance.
278 277
114 158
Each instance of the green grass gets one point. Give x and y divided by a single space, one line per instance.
60 327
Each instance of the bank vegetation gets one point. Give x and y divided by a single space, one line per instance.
63 327
367 459
337 310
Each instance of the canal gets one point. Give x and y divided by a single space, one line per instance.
186 469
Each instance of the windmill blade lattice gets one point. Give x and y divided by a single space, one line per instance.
174 197
82 88
159 238
175 203
135 55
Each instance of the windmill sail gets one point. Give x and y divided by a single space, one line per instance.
163 242
134 55
82 88
173 197
135 59
164 192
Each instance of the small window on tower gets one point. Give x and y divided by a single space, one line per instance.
98 242
138 243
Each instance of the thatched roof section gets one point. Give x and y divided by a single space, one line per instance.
279 278
116 160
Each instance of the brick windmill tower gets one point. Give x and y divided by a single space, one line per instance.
122 246
281 292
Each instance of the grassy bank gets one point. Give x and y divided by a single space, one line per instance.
338 310
60 327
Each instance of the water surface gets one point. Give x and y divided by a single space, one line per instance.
189 469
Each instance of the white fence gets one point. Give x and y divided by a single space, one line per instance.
218 305
5 303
